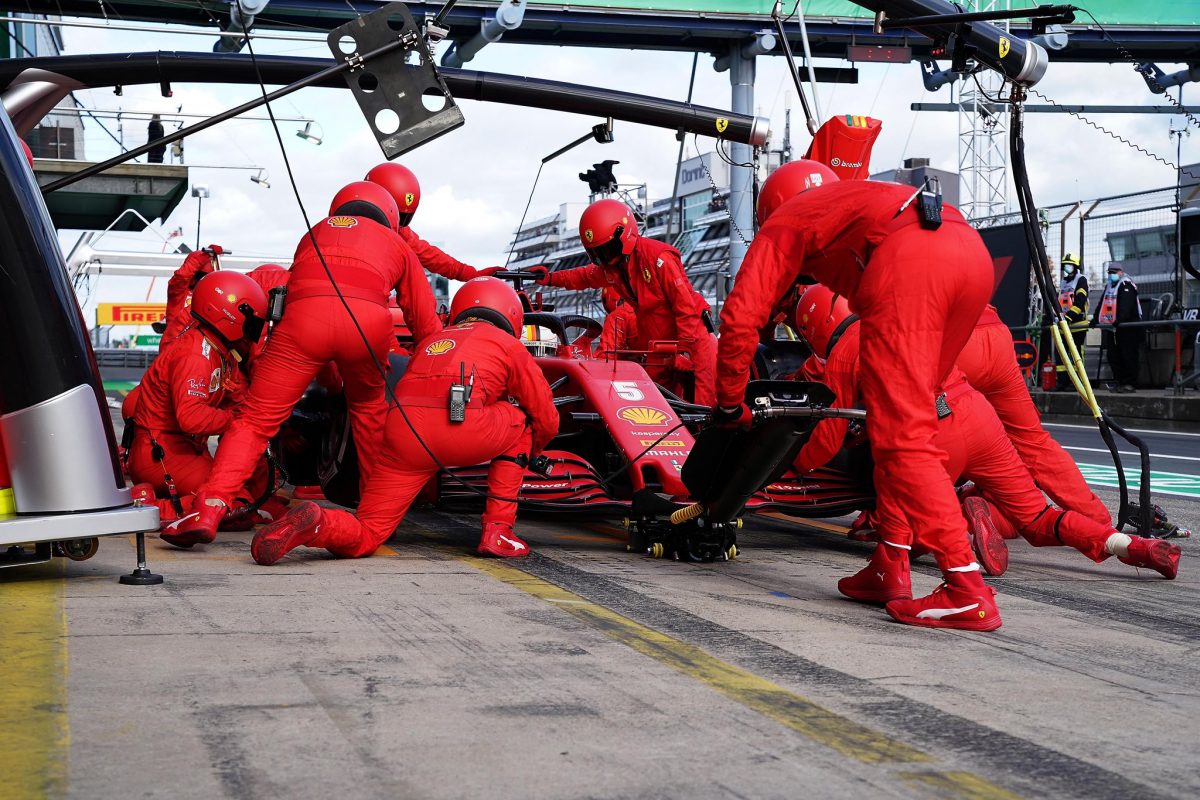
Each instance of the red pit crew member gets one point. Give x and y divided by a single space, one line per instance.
481 345
978 449
179 290
648 275
358 244
990 364
405 189
868 241
178 404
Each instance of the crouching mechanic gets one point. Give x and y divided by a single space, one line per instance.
648 275
919 281
480 350
179 403
356 247
179 291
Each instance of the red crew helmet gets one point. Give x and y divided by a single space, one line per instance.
401 184
366 199
28 152
230 304
821 316
788 181
608 230
268 276
491 300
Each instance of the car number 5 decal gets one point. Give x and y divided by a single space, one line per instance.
627 390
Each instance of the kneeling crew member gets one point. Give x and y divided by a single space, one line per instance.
178 403
479 351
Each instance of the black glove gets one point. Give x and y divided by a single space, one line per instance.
735 417
540 274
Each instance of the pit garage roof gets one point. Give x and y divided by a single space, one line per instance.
153 190
1153 31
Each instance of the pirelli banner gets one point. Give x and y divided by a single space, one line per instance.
129 313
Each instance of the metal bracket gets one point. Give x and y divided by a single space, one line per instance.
401 94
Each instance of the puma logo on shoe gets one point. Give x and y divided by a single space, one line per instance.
942 613
881 575
174 526
510 542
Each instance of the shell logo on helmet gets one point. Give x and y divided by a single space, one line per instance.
342 222
440 347
642 415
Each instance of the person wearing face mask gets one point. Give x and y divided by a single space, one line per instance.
1119 305
1073 299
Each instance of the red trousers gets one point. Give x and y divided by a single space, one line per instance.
404 467
919 298
189 464
979 450
313 332
704 368
991 367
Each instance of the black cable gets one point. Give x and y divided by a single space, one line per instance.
367 342
1149 76
524 213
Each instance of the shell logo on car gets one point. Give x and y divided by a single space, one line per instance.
440 347
642 415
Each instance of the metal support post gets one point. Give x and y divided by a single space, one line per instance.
741 178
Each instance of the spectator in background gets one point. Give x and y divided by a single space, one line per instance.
154 132
1119 305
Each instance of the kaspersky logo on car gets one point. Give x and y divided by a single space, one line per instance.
440 347
642 415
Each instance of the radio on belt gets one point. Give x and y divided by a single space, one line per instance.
460 394
929 205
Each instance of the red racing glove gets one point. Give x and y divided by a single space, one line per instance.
683 363
736 417
541 275
488 271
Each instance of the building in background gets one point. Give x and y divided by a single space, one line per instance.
60 134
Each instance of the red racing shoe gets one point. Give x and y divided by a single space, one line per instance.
1155 554
964 602
986 540
296 529
143 493
199 526
885 578
499 540
863 529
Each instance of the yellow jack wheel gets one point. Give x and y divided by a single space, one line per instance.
738 524
655 550
731 553
625 523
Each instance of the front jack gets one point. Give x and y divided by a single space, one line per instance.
141 576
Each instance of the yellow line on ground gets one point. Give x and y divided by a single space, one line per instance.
767 698
756 693
34 733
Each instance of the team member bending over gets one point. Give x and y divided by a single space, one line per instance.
648 275
866 240
366 258
405 189
481 345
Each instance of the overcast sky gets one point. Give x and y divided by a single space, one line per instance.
476 180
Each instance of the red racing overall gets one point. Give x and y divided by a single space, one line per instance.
435 259
918 293
179 404
667 306
495 430
990 365
179 295
367 260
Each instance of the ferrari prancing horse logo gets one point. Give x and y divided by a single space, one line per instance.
1005 46
589 235
722 124
409 198
642 415
440 347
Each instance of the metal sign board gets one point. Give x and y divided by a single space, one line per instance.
129 313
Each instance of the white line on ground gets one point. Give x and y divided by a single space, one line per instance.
1129 453
1131 430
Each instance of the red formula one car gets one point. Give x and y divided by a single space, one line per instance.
622 447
